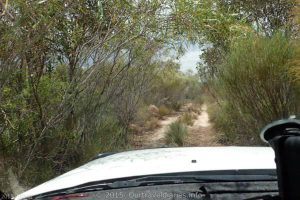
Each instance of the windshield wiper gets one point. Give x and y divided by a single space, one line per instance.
91 187
181 179
157 180
207 178
74 190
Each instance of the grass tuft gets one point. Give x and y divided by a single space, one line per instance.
176 133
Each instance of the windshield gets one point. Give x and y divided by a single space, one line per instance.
142 87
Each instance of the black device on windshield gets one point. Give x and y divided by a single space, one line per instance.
284 138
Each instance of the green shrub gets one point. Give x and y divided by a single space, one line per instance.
163 110
295 68
142 115
255 88
109 136
233 127
176 134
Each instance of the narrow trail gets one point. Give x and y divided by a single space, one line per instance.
159 134
155 138
201 133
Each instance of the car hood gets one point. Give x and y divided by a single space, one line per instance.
160 161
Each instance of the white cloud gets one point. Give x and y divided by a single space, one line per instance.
190 59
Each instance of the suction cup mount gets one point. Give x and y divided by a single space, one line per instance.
280 128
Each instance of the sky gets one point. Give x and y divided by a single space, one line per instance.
190 59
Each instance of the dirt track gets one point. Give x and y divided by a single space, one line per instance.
201 133
155 138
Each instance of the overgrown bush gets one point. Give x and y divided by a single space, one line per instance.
295 67
110 136
232 129
57 89
176 134
255 86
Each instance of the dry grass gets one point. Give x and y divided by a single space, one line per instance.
195 108
188 118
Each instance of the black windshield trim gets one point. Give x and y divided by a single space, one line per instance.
251 172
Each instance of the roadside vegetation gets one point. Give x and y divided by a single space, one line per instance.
80 77
75 76
259 90
250 73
